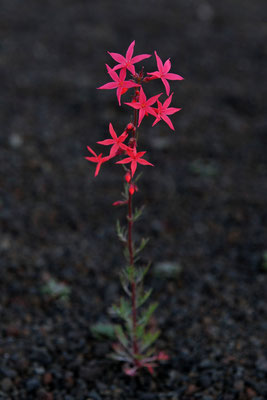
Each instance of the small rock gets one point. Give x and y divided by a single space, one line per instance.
191 389
44 395
69 381
94 396
261 364
32 384
250 392
239 386
47 378
204 381
168 269
205 364
15 140
6 384
9 373
39 370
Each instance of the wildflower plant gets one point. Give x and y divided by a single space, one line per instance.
135 334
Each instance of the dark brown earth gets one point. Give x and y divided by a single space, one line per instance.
206 198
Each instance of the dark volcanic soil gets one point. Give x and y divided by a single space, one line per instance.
206 198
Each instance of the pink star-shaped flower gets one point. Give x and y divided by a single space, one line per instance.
164 74
144 105
134 158
97 159
128 61
115 141
164 110
119 82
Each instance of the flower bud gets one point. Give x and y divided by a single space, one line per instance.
131 189
127 177
119 203
130 127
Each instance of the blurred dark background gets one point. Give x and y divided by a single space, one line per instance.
206 197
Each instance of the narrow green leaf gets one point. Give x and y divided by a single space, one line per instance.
143 243
147 314
137 213
103 330
130 272
141 272
148 339
121 232
140 331
138 177
125 283
121 336
142 299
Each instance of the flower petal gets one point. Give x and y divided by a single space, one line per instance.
109 85
153 99
167 86
125 161
133 167
117 57
139 58
144 162
131 69
156 121
141 115
168 101
142 96
98 168
112 132
119 93
172 110
112 73
91 151
130 84
113 150
140 153
136 105
92 159
118 66
173 77
155 74
151 110
130 50
106 142
167 66
168 121
159 62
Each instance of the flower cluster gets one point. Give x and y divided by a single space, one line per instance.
140 103
136 335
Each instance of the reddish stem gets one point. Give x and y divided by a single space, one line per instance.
131 255
130 248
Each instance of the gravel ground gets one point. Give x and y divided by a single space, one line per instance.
206 199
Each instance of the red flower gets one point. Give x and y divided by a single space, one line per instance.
134 158
164 74
128 61
119 82
163 111
115 141
144 105
96 159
